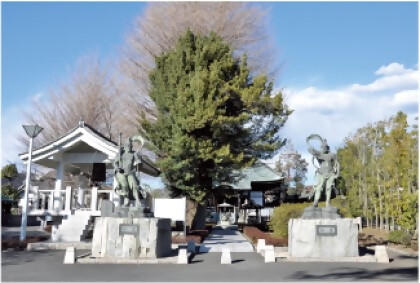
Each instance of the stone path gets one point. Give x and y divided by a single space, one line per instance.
219 239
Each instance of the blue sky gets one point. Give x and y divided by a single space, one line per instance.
331 56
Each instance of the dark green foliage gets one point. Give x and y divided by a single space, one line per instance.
399 237
9 171
9 192
212 117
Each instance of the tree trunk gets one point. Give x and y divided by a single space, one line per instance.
365 195
196 215
381 222
381 209
376 217
386 219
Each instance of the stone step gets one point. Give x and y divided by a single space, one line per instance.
75 227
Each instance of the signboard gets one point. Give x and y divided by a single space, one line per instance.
170 208
326 230
129 229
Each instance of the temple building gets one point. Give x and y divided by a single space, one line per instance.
87 156
251 196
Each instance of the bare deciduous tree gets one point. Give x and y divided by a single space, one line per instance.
111 104
241 25
89 95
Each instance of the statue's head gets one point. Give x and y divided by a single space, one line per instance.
325 147
129 144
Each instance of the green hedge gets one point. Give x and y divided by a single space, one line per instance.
281 215
399 237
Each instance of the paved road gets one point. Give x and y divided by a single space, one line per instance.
231 239
46 266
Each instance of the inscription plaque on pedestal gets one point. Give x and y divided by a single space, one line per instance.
326 230
128 229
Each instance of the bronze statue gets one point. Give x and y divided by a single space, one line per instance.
126 166
328 170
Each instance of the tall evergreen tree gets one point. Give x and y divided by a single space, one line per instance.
213 117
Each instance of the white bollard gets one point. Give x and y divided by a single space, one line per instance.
269 254
381 254
70 257
191 246
182 256
260 245
226 259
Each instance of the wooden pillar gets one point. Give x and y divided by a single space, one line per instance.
258 215
43 199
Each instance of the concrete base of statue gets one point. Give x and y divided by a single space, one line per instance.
323 237
128 233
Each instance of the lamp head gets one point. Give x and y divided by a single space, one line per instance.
32 130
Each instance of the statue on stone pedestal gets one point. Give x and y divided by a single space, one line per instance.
328 170
125 166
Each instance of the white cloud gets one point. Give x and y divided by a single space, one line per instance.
391 69
408 79
406 97
335 113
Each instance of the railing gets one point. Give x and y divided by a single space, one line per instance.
42 201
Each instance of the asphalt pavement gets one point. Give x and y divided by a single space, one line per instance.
47 266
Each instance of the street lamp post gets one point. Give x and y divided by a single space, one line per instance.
32 131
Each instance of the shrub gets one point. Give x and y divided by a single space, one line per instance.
9 171
342 206
15 244
183 240
281 215
399 237
9 192
253 233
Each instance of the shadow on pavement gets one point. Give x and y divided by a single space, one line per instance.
361 274
15 257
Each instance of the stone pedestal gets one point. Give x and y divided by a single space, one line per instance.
126 237
312 212
323 238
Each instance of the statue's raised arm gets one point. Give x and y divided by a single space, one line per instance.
311 149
